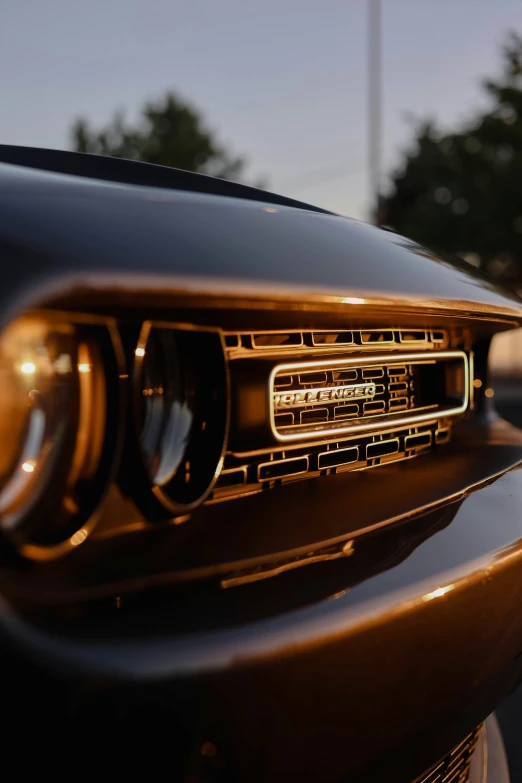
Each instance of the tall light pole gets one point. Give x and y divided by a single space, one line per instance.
374 103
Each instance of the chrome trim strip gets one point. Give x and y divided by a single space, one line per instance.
333 431
257 573
246 294
389 428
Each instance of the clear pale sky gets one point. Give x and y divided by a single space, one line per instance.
282 81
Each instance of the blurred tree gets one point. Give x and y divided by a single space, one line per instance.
462 191
169 133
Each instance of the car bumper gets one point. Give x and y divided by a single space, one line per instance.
383 677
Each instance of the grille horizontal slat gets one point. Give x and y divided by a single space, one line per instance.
398 404
433 777
373 407
343 411
455 767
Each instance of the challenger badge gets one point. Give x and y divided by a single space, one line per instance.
360 391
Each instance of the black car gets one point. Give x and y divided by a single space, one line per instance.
259 518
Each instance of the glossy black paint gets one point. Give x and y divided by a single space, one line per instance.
58 231
366 668
393 663
137 173
287 522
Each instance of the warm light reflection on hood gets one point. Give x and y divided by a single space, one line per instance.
438 593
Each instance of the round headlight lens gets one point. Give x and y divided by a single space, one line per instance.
52 426
182 413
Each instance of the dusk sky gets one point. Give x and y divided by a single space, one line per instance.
283 82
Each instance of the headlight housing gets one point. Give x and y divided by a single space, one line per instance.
57 410
180 417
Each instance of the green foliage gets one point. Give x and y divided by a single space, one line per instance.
169 133
462 191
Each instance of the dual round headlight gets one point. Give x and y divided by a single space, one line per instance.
62 415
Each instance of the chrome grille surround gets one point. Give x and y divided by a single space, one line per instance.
455 767
314 399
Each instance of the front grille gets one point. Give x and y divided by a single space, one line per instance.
455 767
311 399
306 404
